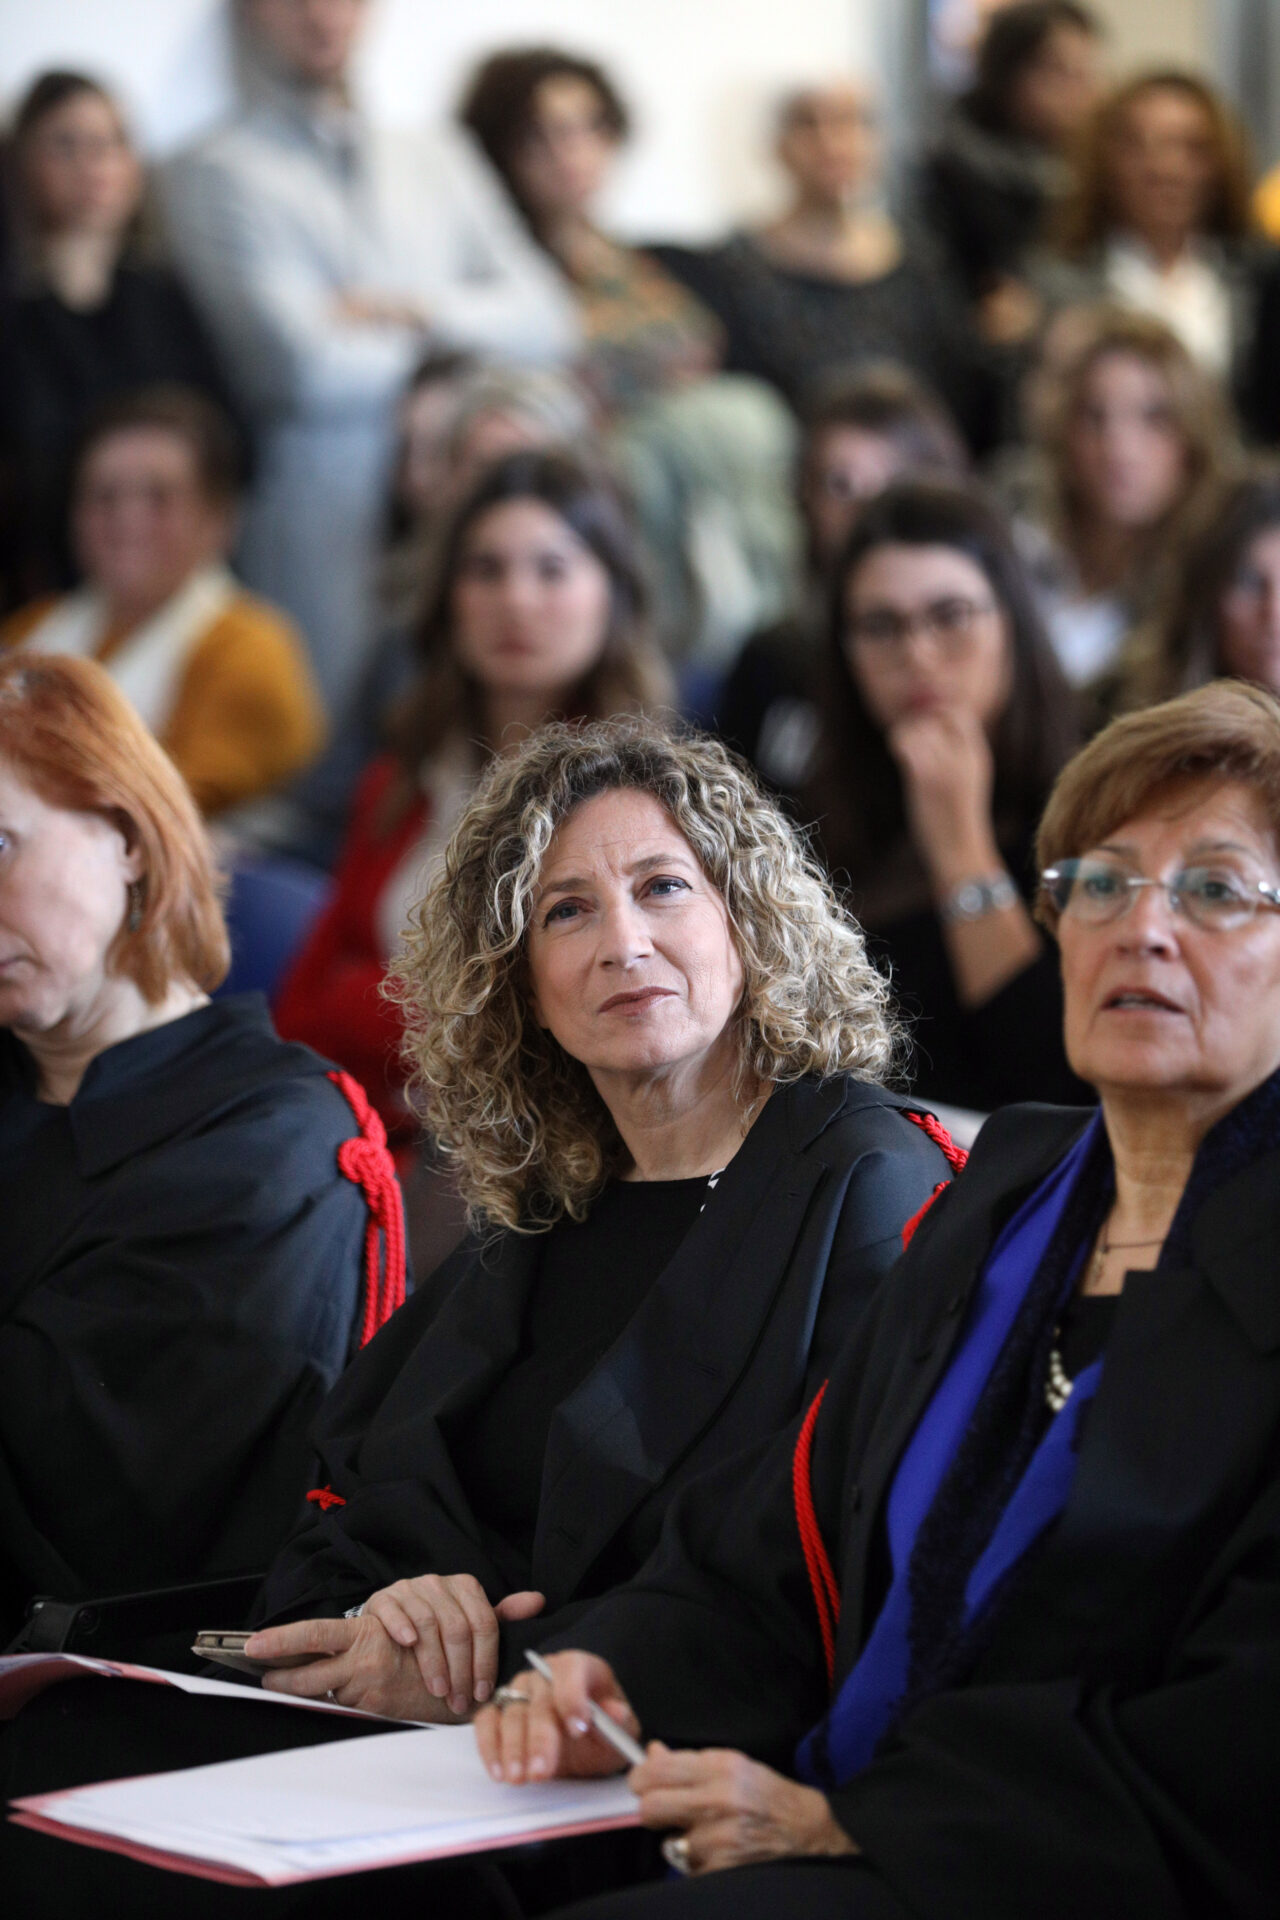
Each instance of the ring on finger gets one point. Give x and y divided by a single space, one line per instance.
510 1697
331 1697
675 1851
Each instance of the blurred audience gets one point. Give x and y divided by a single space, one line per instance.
865 431
456 418
326 254
220 677
183 1252
1158 219
537 610
705 456
945 720
1134 441
835 281
1222 616
553 125
1000 161
93 311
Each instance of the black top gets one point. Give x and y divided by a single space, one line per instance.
798 330
170 1317
58 364
1113 1749
729 1338
1008 1048
592 1276
984 196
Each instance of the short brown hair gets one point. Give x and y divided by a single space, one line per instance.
1227 730
70 734
189 416
1088 213
499 107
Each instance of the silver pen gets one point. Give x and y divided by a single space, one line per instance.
621 1742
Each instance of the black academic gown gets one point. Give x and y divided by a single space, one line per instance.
1114 1752
728 1343
180 1265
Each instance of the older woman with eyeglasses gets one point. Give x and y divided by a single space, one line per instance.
994 1631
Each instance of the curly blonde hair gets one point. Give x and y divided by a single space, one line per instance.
521 1119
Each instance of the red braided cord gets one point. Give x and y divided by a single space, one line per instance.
826 1594
930 1124
367 1163
909 1231
325 1497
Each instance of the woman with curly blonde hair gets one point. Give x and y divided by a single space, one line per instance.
655 1048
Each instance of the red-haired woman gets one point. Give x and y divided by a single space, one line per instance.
181 1251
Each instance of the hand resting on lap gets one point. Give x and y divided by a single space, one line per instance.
423 1649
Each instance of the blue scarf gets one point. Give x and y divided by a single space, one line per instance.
845 1741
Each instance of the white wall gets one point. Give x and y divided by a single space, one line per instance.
697 73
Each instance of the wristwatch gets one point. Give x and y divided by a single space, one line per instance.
974 899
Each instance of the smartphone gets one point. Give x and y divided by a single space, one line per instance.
226 1647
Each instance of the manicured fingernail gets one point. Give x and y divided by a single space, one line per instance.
483 1689
578 1727
457 1703
514 1770
406 1635
496 1770
537 1764
439 1688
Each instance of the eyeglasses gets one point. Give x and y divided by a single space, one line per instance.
1095 892
950 623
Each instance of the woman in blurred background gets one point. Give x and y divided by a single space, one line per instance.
1135 441
537 610
835 281
1223 615
945 721
92 314
1159 220
182 1256
1001 158
705 456
862 432
222 679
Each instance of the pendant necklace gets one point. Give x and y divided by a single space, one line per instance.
1058 1384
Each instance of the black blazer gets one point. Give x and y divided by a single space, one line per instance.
726 1345
1115 1751
171 1318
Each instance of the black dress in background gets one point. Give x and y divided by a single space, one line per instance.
985 197
180 1268
799 330
58 364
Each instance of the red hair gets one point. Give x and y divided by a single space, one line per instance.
70 734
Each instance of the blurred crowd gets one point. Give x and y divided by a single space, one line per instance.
355 455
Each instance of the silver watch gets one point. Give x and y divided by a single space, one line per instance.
973 899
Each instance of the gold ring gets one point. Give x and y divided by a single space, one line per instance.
510 1697
675 1851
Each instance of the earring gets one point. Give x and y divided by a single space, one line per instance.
137 896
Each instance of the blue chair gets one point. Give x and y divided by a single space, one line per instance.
271 905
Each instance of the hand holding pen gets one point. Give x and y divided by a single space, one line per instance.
566 1717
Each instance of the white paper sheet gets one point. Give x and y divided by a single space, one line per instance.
23 1675
338 1808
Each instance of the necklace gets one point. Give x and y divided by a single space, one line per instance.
1058 1384
1105 1247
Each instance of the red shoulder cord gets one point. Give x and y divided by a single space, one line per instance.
930 1125
826 1594
822 1579
367 1163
